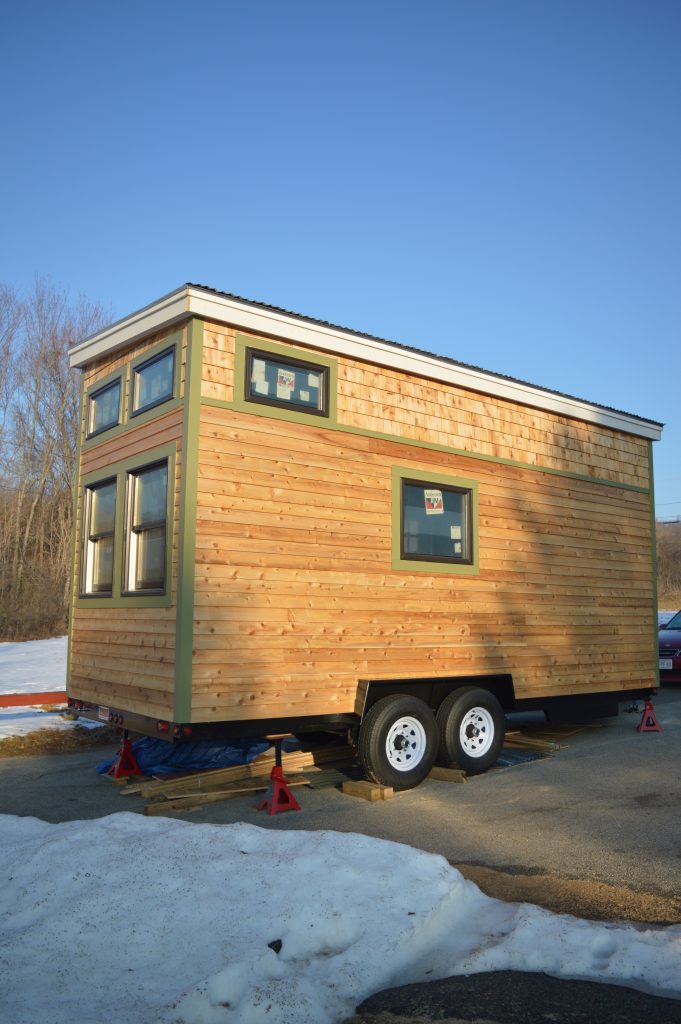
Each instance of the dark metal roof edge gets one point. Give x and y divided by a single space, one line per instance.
419 351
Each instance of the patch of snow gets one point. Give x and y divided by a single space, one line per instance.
174 922
23 720
34 666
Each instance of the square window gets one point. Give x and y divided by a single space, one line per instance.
436 523
147 529
98 548
287 382
153 381
103 410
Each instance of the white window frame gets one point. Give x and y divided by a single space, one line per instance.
91 541
132 534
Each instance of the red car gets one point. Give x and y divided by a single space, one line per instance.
670 650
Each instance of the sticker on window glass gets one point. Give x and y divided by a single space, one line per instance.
455 532
434 504
258 371
304 396
313 380
261 387
457 547
286 379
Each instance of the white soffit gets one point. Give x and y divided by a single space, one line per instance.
185 302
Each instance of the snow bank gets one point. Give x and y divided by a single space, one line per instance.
174 923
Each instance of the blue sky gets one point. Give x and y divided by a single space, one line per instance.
494 180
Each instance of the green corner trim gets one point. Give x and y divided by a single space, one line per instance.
242 404
119 470
653 541
76 492
400 473
186 557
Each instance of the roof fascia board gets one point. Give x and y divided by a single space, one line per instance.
266 321
152 318
185 302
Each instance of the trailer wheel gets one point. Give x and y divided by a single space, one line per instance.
471 725
398 741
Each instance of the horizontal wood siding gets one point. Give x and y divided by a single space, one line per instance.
385 401
125 657
296 599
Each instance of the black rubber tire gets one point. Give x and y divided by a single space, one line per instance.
375 729
450 716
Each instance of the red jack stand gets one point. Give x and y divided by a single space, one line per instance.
649 722
278 797
125 764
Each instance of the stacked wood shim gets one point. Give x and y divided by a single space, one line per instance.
261 767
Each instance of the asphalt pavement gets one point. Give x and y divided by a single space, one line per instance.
606 807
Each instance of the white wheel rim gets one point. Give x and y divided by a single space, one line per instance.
476 734
405 743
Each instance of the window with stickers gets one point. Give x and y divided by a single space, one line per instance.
287 383
436 523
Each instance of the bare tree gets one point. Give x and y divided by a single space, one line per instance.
10 320
669 562
38 451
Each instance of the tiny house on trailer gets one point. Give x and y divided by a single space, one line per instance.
286 526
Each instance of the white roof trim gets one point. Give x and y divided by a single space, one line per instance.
186 302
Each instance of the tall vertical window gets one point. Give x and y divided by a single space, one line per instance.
153 381
100 520
147 526
103 409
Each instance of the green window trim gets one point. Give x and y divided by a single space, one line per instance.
92 538
127 419
135 416
244 402
93 393
90 439
469 565
138 528
121 471
138 366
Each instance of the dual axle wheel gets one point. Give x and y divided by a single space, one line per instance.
400 738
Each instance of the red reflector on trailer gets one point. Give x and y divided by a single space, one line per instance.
163 726
186 730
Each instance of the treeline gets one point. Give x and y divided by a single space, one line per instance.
669 563
38 445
